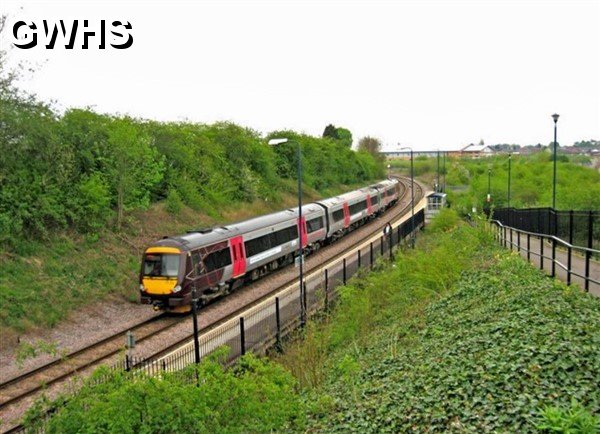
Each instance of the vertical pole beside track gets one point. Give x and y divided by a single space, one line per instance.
326 290
195 323
278 324
344 270
242 337
371 255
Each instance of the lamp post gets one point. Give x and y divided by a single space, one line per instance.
555 117
509 158
444 172
412 197
275 142
437 185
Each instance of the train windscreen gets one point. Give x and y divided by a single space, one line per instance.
159 265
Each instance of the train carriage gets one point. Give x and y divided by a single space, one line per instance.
217 260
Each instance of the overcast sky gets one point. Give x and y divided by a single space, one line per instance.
427 74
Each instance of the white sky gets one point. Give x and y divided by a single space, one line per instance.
427 74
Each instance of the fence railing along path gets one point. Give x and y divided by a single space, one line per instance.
537 234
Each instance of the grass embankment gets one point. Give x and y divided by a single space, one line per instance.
48 279
456 336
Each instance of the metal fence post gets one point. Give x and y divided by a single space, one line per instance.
371 254
195 325
344 271
127 363
571 227
528 247
358 258
326 290
278 324
554 256
588 254
511 238
242 336
504 237
519 242
541 253
381 245
569 266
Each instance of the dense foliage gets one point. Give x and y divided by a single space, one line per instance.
458 337
82 193
254 396
83 169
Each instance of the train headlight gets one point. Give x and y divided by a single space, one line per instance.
177 288
142 288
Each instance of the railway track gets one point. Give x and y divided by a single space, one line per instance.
22 386
17 389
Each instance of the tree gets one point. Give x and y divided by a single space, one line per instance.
134 166
342 135
372 145
330 131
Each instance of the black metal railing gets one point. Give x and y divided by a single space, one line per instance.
578 228
544 248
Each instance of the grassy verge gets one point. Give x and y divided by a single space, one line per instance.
42 282
455 337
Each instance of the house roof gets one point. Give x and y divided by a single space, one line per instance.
476 148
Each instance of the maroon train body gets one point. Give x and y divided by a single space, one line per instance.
217 260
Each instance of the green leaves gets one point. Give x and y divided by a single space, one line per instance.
489 356
254 396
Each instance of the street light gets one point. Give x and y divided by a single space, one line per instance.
509 158
444 172
437 185
275 142
555 117
412 197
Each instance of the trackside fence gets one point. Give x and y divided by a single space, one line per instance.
265 325
538 233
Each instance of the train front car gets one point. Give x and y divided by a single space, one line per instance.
162 278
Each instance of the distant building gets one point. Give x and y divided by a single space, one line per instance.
477 151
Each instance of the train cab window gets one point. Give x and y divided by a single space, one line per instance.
217 260
159 265
375 200
338 215
314 224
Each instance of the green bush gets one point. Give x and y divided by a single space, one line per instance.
254 396
174 202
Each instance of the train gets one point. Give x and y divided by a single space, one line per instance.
216 261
